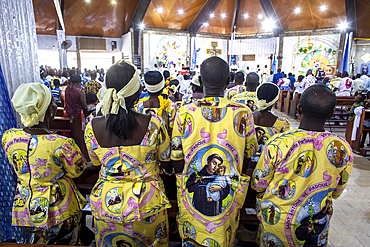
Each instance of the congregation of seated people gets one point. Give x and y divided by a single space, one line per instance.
206 141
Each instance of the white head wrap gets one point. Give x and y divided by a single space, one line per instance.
31 100
195 81
113 100
262 104
154 88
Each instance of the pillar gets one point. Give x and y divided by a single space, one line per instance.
62 52
280 56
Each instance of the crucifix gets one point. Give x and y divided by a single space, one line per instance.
214 51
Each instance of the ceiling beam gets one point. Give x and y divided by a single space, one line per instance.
236 14
140 11
203 16
59 11
271 14
351 16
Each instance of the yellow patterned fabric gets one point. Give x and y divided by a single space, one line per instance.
247 98
300 172
212 135
129 189
46 194
234 90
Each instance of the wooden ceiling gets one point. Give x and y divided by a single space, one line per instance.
102 18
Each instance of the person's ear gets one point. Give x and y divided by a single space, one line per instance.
299 110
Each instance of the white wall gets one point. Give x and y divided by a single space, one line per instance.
359 51
292 62
126 45
205 43
261 60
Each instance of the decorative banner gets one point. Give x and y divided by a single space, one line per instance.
253 46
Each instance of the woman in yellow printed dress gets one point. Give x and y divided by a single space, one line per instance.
156 103
47 201
249 97
301 171
214 139
128 201
239 86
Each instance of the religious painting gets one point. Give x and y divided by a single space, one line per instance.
113 200
212 180
58 192
214 51
241 123
284 189
170 50
39 208
270 212
249 57
21 196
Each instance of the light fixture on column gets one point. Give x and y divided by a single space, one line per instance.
180 11
87 1
212 15
142 26
343 25
323 7
246 16
297 10
113 1
268 25
206 24
259 16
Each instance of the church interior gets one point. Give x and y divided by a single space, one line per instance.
138 180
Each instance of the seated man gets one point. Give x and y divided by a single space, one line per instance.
301 171
249 97
210 138
238 88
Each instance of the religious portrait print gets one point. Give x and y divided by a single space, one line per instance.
189 230
161 233
212 180
270 240
305 164
241 121
187 125
270 212
211 112
284 189
21 196
337 154
58 193
39 208
19 161
113 200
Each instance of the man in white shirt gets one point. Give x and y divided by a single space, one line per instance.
366 79
358 85
345 86
185 85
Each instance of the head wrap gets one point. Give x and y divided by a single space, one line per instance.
262 104
156 78
113 100
31 100
195 81
100 96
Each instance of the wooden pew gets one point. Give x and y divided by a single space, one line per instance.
339 120
282 95
287 101
362 130
294 105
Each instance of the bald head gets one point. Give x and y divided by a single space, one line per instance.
318 101
215 73
252 81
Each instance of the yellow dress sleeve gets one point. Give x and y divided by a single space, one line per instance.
176 141
344 176
172 109
91 145
164 148
250 140
265 168
74 162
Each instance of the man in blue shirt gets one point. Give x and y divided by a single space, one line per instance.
292 80
277 76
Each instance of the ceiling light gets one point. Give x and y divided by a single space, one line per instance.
323 7
142 26
212 15
259 16
87 1
297 10
268 25
114 2
343 25
246 16
205 24
223 15
180 11
159 10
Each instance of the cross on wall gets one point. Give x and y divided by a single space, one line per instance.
214 51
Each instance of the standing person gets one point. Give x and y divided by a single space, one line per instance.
265 74
185 85
309 80
238 88
270 78
266 123
366 79
247 71
298 85
232 80
209 139
358 85
291 79
56 90
46 201
301 171
128 200
320 75
156 104
285 83
92 86
249 97
335 81
344 87
75 100
277 76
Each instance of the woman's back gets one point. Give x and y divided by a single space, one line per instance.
72 103
45 188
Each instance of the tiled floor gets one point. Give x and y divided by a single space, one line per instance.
350 224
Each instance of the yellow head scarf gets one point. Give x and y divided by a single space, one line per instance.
31 100
116 100
262 104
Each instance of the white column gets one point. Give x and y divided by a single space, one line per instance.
62 52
